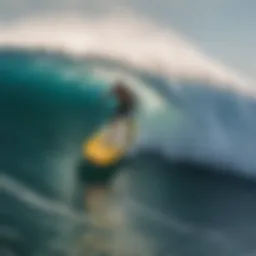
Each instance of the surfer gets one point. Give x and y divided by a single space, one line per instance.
107 148
103 156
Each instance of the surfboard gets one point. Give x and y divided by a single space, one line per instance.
110 144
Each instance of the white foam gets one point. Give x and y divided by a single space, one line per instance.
125 38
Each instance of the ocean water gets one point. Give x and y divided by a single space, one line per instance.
186 187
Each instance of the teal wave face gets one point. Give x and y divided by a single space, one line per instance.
47 111
186 188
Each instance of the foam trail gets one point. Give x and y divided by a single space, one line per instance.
124 38
27 196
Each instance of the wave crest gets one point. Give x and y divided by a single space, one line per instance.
125 38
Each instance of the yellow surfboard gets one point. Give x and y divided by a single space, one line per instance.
109 145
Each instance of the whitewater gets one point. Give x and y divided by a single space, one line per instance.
129 39
194 152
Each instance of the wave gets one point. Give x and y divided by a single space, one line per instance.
126 38
196 124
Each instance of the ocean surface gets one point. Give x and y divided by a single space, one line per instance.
186 188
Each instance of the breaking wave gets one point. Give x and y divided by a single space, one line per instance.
193 112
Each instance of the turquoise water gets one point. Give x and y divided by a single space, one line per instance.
186 188
45 118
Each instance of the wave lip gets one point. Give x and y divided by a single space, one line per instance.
136 42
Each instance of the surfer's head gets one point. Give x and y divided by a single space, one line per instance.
126 99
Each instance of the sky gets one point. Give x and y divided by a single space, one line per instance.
223 29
